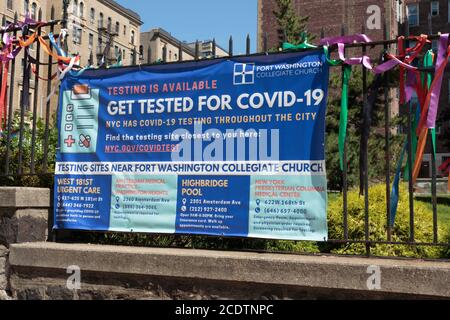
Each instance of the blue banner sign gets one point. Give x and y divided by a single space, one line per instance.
227 147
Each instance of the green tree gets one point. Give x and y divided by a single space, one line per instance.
290 23
376 143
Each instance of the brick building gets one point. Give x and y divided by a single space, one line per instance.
331 15
424 17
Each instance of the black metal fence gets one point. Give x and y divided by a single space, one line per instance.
15 165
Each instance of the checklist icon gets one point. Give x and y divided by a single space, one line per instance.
79 119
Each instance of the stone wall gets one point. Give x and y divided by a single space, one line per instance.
24 216
31 268
40 271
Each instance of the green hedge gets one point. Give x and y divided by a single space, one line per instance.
423 225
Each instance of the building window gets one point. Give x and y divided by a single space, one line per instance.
413 14
132 36
79 33
27 107
109 26
91 40
26 6
124 30
81 11
92 15
76 33
434 8
100 21
9 4
117 27
100 46
34 11
75 8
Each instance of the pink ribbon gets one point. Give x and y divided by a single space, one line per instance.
436 92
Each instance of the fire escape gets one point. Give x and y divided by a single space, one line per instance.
106 36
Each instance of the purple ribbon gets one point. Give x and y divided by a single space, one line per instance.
410 85
345 39
365 60
342 40
390 64
436 92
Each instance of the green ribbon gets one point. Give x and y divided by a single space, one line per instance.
303 45
343 119
118 63
329 60
428 62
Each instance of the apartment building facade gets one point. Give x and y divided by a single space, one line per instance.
159 45
8 9
91 24
205 49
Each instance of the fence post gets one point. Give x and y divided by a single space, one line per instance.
345 171
25 105
387 114
48 101
10 106
35 98
365 155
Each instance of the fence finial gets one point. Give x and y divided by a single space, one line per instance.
248 44
196 50
214 48
230 46
180 51
265 41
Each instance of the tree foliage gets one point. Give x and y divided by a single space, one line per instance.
27 180
376 143
290 23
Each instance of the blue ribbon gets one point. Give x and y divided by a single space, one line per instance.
395 186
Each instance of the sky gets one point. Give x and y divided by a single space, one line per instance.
189 20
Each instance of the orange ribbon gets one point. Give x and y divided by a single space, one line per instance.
49 51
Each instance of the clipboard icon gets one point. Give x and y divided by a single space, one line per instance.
81 92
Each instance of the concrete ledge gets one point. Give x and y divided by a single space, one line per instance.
403 277
16 197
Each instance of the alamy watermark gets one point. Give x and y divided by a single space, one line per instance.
374 280
74 280
373 22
